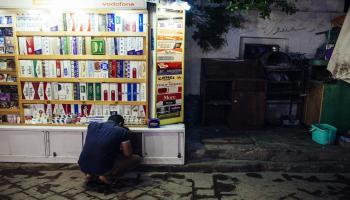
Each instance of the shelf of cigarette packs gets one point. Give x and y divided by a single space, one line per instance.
82 45
6 36
85 21
81 114
9 111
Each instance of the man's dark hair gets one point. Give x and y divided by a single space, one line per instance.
118 119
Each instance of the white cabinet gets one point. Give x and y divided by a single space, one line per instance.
64 146
19 145
47 144
163 147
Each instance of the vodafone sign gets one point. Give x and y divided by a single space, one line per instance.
117 4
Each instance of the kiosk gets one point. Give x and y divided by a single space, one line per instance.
62 68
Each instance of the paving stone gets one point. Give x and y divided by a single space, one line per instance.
39 192
204 192
21 196
9 189
134 193
57 197
201 180
101 195
73 191
84 196
146 197
180 189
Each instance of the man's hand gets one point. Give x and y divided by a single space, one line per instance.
126 148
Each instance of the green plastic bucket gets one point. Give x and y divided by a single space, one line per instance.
323 133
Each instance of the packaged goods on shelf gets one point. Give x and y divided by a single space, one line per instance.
9 119
81 114
82 69
84 91
74 45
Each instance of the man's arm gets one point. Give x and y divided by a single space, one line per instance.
126 148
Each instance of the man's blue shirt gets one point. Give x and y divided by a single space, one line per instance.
102 147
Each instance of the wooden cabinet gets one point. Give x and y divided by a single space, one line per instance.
328 103
233 92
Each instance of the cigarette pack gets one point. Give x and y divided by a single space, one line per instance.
102 23
82 69
106 110
90 91
37 68
98 91
76 109
30 45
134 91
143 92
76 91
129 91
58 69
90 69
37 45
45 46
142 111
83 89
48 91
54 89
41 91
22 45
53 69
124 92
120 91
74 65
120 69
74 45
113 69
66 69
110 22
118 23
104 69
97 69
105 91
87 45
113 91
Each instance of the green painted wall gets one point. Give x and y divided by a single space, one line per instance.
336 105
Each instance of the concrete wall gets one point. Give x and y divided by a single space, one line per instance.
298 31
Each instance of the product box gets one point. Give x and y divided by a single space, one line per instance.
22 46
90 91
83 92
82 69
113 90
110 22
37 45
105 92
45 42
67 71
97 91
48 92
30 45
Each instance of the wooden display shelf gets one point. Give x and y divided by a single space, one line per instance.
70 125
8 83
84 80
6 71
83 57
7 55
83 102
92 34
9 111
6 25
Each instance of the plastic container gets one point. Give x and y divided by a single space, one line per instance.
323 133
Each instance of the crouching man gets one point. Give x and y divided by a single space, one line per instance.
107 152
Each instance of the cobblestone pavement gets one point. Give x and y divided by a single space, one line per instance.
19 183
